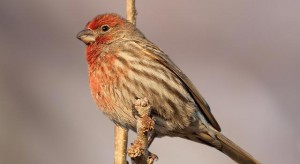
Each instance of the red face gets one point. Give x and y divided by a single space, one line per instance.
97 30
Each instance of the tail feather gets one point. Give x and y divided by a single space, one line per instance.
234 151
217 140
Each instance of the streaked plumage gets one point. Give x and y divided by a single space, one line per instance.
124 66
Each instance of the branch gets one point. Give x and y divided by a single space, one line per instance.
121 138
145 124
131 11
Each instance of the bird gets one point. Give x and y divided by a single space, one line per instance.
123 66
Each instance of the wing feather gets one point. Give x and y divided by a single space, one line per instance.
161 57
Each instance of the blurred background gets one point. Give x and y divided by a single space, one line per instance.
244 57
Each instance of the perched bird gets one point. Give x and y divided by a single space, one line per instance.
124 65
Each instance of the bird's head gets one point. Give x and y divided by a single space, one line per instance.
104 29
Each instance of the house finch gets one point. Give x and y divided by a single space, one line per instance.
124 66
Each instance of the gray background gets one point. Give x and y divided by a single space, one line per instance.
243 56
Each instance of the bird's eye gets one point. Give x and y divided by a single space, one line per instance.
105 28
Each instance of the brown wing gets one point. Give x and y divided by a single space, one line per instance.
161 57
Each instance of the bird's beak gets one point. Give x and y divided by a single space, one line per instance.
87 36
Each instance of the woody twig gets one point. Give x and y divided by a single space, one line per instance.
145 124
